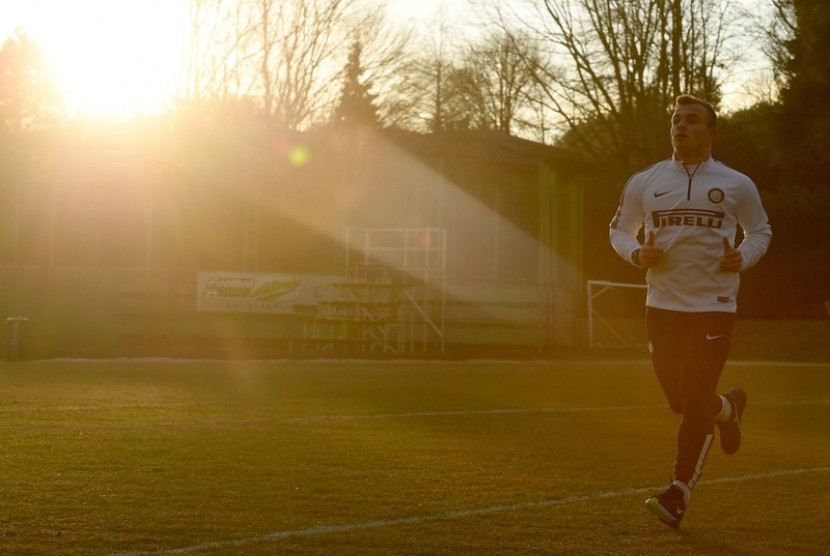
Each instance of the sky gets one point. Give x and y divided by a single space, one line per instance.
110 57
121 57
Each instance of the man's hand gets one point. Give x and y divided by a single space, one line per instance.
649 255
732 258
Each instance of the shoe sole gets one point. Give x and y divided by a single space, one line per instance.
653 504
737 447
738 421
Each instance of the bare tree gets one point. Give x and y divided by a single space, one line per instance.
436 101
300 42
219 35
283 53
497 80
616 65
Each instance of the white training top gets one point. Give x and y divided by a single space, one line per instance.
690 209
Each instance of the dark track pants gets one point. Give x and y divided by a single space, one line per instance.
689 351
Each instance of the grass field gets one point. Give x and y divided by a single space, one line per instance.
386 458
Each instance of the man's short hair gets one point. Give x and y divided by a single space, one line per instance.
689 99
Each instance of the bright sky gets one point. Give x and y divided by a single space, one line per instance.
424 10
121 57
110 57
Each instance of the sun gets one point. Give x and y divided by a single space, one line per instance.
110 58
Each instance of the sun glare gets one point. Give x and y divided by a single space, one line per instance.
119 58
111 58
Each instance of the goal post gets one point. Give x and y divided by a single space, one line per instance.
616 314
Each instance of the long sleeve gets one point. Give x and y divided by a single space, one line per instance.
626 223
756 227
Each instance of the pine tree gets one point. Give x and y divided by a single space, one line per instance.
356 105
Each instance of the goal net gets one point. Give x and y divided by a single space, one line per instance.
616 314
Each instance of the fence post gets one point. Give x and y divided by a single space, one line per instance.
15 333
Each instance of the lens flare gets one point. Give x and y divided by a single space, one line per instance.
298 155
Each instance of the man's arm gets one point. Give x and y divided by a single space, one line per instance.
626 225
754 221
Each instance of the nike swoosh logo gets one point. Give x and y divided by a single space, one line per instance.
710 337
660 193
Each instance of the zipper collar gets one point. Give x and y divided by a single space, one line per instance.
690 172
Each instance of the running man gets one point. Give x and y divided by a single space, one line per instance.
690 207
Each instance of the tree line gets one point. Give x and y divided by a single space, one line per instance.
590 72
596 78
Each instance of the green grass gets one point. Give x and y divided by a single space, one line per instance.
383 458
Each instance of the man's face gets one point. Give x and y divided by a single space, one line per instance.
690 131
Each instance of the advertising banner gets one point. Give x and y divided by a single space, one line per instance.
248 292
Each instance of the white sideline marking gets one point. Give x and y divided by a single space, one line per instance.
517 411
455 514
406 362
469 412
381 416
